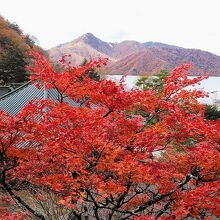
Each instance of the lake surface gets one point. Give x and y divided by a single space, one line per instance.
211 85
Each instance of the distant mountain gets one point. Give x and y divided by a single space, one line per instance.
86 46
134 58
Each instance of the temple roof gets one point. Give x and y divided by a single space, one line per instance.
17 99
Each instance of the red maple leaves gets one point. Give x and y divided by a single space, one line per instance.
121 154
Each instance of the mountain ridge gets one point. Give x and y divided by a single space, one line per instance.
135 58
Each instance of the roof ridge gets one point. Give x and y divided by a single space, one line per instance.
15 90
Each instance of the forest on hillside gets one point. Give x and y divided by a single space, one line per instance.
15 47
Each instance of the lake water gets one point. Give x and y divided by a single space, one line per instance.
211 85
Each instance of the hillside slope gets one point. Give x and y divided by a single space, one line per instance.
134 58
14 52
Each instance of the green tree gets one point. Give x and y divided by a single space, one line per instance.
154 82
212 112
93 74
14 52
12 66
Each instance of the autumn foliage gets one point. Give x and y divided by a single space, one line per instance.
14 52
118 155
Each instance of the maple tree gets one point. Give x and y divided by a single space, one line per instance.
103 159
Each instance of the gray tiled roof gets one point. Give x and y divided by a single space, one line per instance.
14 101
4 90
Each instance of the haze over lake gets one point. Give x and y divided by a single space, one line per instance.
211 85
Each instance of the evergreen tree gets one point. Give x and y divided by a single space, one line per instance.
154 82
93 74
14 49
212 112
12 66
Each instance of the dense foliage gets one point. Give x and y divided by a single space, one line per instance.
14 52
212 112
104 160
154 82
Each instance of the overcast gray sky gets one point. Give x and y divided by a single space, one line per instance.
187 23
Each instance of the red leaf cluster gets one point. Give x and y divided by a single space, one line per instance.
126 153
